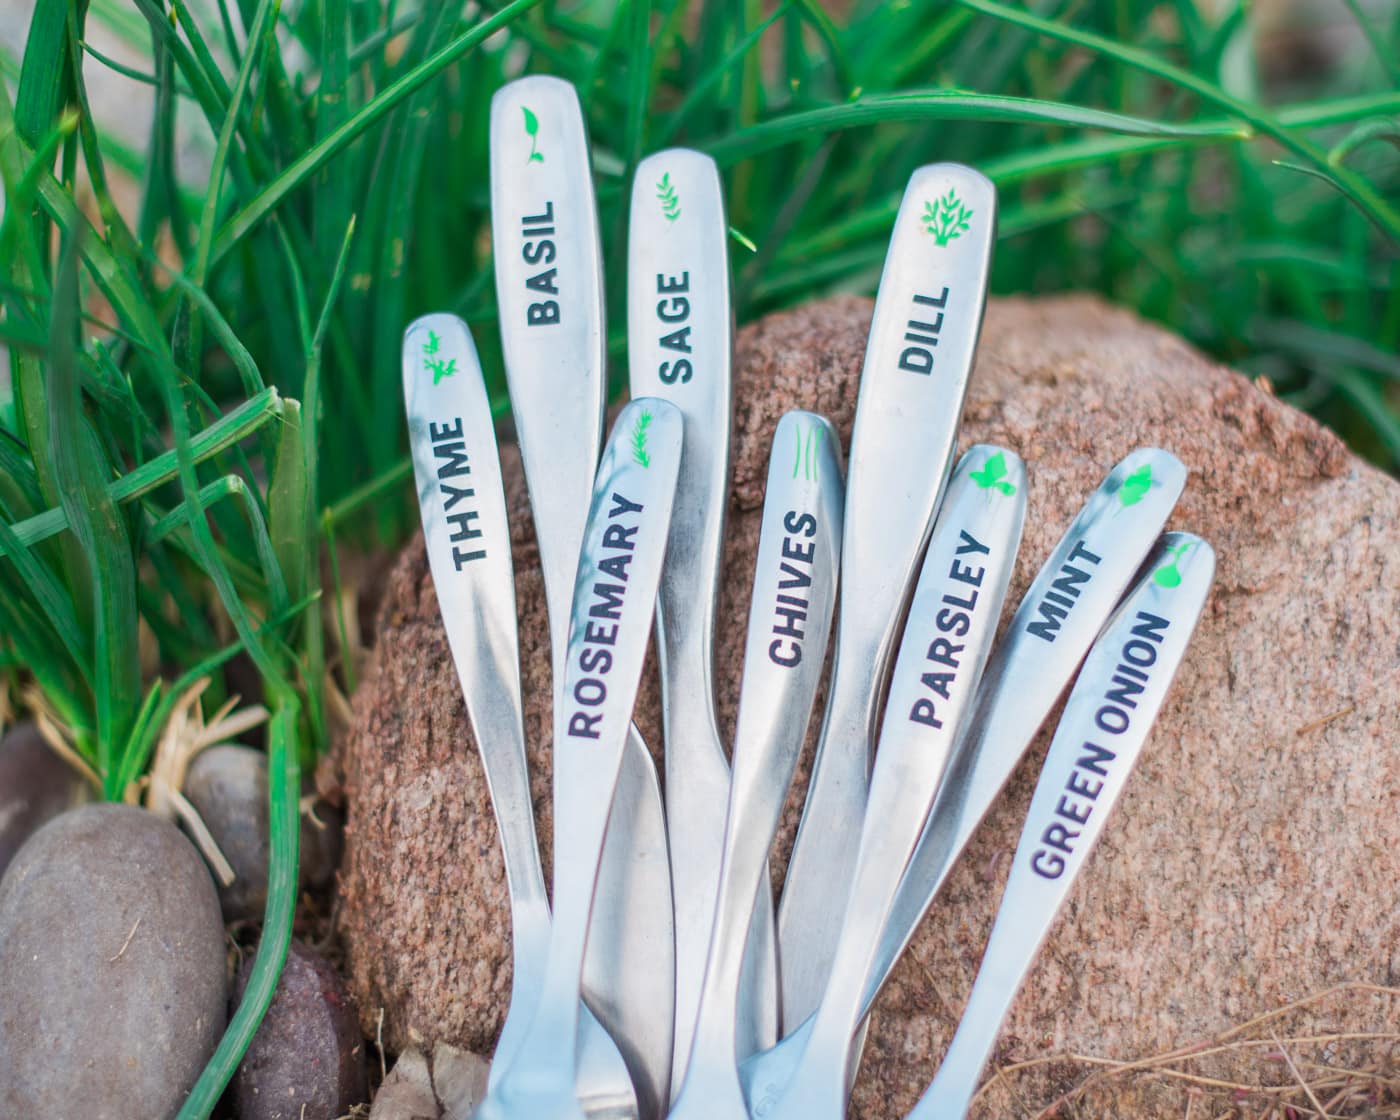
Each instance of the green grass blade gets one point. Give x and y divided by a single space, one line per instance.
927 105
302 168
97 523
283 790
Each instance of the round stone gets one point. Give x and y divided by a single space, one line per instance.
112 968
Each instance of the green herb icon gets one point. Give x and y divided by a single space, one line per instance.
442 367
438 367
532 130
1136 485
639 439
666 195
809 440
1168 575
992 476
948 220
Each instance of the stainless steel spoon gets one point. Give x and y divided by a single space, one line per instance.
1106 722
549 290
922 339
794 595
680 340
952 620
1063 610
462 503
614 601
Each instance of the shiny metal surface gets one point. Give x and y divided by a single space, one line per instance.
680 343
922 339
1106 722
790 614
1087 573
462 504
952 619
614 600
549 288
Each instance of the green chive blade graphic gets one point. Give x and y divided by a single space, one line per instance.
639 440
532 130
801 444
1136 485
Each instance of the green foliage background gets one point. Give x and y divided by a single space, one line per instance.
206 385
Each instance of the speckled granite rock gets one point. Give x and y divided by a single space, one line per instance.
1253 861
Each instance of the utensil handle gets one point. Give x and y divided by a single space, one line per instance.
1065 608
461 500
952 621
1106 722
549 292
790 613
619 568
928 314
680 343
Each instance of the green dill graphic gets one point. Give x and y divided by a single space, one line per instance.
948 220
433 344
639 439
1136 485
992 475
809 441
666 195
532 130
1168 575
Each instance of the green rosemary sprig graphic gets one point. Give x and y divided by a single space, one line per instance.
639 439
532 130
948 220
1136 485
666 195
991 476
1168 575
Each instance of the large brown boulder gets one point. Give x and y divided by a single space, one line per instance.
1240 921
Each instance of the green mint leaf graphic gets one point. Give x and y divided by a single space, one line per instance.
666 195
1136 485
433 344
442 367
1168 575
947 221
532 130
991 476
639 439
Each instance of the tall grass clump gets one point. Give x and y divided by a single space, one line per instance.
204 408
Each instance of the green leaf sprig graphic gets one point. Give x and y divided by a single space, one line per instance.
442 367
666 195
992 475
1136 485
532 130
1168 575
438 367
948 220
639 439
